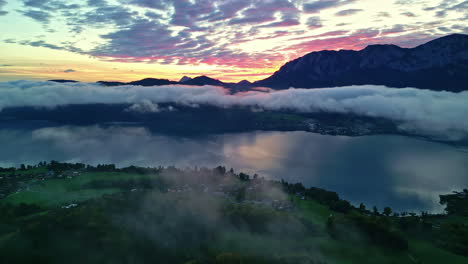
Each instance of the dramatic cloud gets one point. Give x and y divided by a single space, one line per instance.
428 112
253 36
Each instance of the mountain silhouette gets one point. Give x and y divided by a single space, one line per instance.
440 64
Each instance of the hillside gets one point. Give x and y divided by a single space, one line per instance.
139 215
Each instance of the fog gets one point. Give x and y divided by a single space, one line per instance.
422 111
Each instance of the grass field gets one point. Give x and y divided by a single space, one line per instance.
55 192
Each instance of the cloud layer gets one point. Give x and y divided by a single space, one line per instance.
428 112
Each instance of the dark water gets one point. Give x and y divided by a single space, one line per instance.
404 173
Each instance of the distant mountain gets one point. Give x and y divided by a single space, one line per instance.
244 83
63 81
441 64
197 81
203 80
144 82
111 83
184 79
152 82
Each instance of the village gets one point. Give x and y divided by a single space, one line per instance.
18 181
256 191
354 129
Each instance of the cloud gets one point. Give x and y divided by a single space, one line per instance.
42 43
285 22
408 14
395 29
384 14
69 70
314 22
348 12
425 111
2 4
449 6
146 106
317 6
43 10
162 4
264 11
37 15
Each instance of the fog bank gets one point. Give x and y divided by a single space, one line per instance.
425 111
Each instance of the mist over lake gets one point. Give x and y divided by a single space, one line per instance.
384 170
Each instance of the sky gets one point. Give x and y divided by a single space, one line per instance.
231 40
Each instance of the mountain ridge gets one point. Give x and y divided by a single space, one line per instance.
440 64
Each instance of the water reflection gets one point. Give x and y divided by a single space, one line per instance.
404 173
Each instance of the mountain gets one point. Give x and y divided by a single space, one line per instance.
105 83
63 81
244 83
152 82
441 64
184 79
197 81
204 80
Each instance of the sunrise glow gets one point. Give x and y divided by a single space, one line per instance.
231 40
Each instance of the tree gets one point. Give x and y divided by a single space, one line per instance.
362 208
220 170
387 211
244 177
341 206
375 210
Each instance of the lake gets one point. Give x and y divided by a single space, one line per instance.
385 170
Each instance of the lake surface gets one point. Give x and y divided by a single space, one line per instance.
401 172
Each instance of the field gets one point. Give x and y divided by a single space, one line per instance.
55 192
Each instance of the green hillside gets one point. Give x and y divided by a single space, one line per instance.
72 213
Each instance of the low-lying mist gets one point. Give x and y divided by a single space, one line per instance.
423 111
